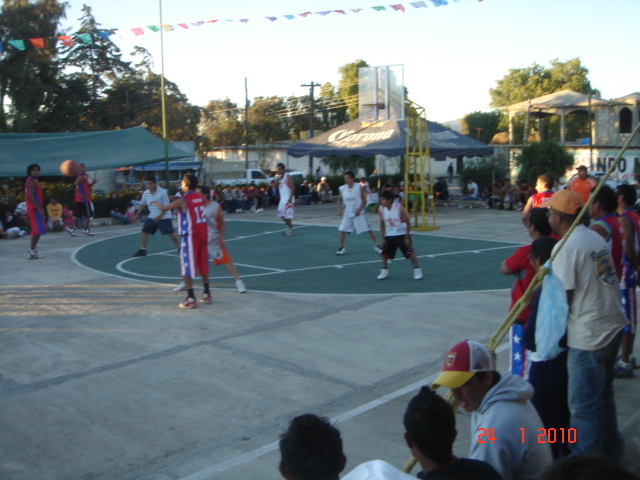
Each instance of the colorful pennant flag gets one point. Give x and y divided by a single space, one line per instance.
37 42
66 40
19 44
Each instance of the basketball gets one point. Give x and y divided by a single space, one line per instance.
69 168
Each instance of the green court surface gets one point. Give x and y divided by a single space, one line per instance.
306 262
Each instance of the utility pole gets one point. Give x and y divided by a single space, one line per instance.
311 115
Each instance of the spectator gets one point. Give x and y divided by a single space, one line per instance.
594 327
507 194
548 377
324 191
523 192
471 190
630 221
500 404
430 432
582 184
373 201
492 191
10 226
544 192
273 195
441 190
114 209
305 193
519 265
54 215
311 449
450 171
605 223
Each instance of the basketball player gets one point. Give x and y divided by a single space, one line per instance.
395 229
192 227
285 186
218 253
35 212
82 208
354 198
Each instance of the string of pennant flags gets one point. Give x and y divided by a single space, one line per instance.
87 38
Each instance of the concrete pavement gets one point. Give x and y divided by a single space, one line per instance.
103 377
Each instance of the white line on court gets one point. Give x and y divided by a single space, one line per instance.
258 452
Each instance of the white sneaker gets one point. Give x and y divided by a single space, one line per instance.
180 288
384 273
377 248
417 273
240 286
288 232
341 251
33 254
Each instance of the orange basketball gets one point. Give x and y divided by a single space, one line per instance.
69 168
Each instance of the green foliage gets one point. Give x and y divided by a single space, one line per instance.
348 86
481 125
27 76
543 157
483 170
352 162
521 84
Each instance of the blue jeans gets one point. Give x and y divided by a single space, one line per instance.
120 217
469 197
591 402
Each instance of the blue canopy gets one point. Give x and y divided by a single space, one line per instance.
386 138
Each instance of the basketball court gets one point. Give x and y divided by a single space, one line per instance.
306 262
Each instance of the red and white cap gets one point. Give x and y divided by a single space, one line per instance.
462 362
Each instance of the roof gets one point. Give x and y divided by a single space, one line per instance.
98 150
386 138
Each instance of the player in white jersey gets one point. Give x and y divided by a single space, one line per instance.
218 253
354 199
285 186
395 228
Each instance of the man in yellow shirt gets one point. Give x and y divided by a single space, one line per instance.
582 184
54 215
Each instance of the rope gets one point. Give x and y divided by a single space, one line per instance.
536 282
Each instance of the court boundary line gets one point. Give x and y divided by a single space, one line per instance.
343 417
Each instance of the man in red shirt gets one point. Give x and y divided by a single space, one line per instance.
35 210
192 227
519 264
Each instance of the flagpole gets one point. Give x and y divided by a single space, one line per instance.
164 114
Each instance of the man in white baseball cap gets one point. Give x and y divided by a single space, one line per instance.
505 425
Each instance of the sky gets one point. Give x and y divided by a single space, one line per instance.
452 54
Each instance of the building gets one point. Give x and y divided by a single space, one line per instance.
612 122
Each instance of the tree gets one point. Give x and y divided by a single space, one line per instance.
136 100
27 76
98 59
267 120
543 157
521 84
348 86
331 109
481 125
66 106
484 170
221 124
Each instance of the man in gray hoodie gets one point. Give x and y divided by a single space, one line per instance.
506 431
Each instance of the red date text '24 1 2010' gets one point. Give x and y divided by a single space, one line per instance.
545 435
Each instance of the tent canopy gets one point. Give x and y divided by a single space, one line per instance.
386 138
97 150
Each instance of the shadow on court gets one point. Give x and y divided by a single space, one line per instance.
306 262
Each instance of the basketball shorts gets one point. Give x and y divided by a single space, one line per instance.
82 209
285 210
36 221
194 259
392 244
164 225
351 223
218 254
